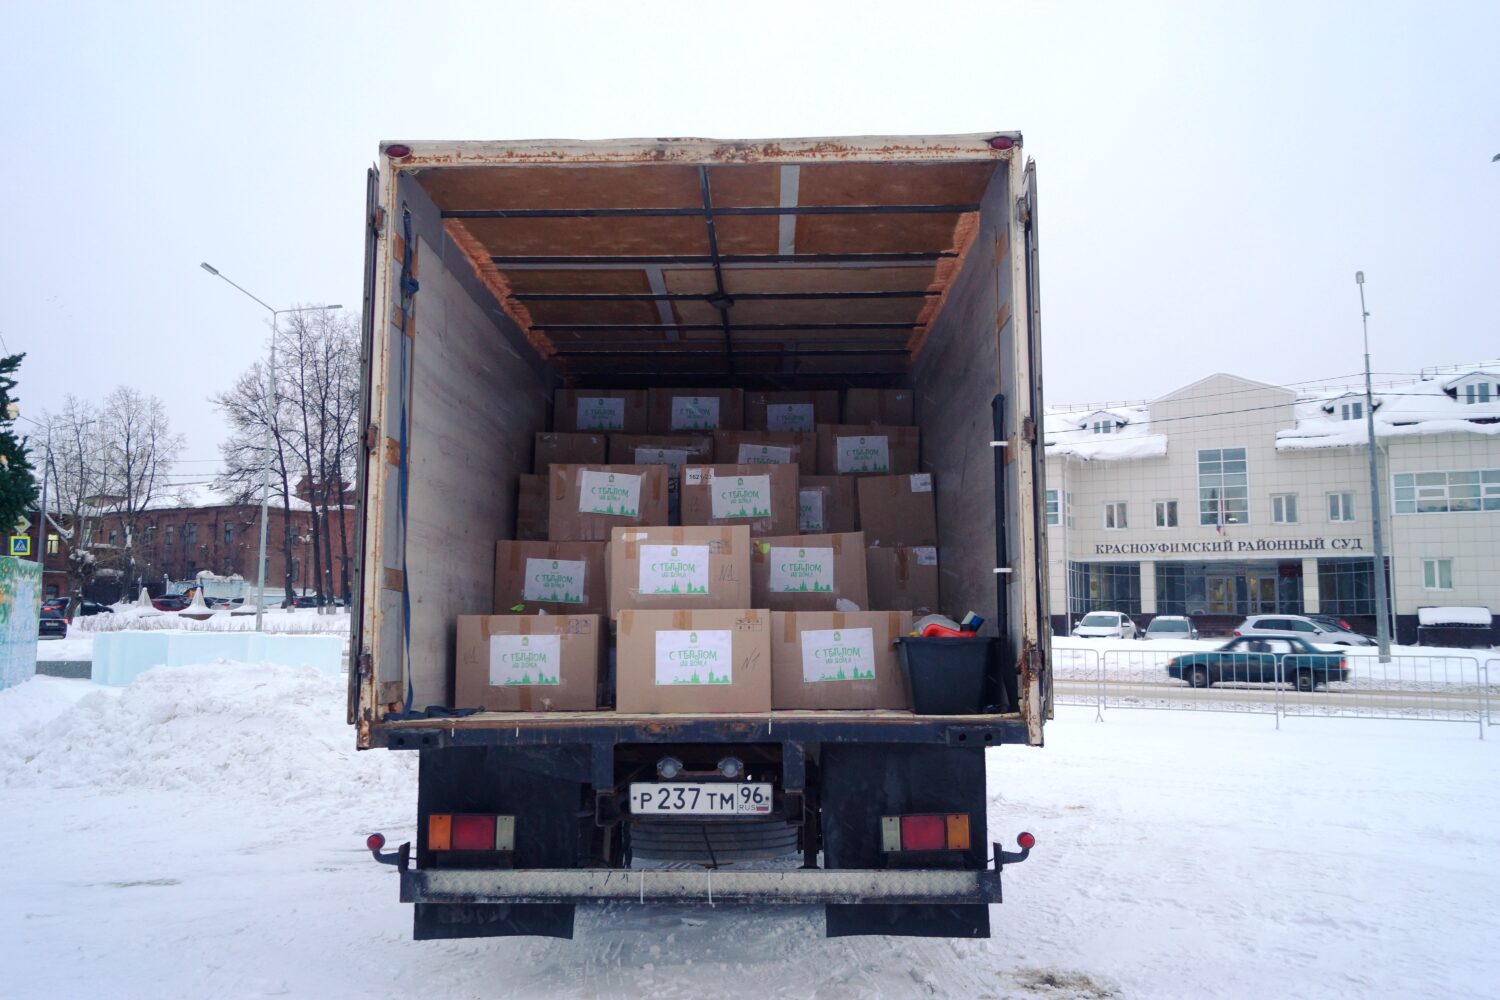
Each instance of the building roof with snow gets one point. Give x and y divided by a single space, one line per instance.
1072 431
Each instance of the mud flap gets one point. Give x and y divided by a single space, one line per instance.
859 784
439 921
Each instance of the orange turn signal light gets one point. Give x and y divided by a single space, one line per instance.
440 832
958 831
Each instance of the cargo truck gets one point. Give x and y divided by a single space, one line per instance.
499 272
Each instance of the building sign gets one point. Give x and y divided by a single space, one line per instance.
1231 545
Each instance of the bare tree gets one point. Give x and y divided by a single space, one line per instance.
139 450
75 440
247 459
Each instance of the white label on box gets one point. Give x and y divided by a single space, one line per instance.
557 580
763 454
741 496
695 476
673 458
695 413
790 417
801 571
617 493
810 511
921 482
674 569
926 555
864 454
838 655
695 657
601 413
525 660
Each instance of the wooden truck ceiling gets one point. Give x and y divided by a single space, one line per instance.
799 269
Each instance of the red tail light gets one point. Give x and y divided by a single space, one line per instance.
1027 841
1236 631
923 833
375 841
473 833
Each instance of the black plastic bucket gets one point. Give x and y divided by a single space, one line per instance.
946 676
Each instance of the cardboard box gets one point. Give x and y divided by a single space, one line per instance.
672 450
585 501
560 578
605 410
867 450
688 411
898 510
809 572
764 497
826 505
673 568
791 410
893 407
693 662
527 663
834 660
904 579
553 448
531 509
767 448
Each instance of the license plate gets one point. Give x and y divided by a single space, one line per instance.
706 798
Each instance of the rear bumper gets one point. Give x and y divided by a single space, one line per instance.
801 886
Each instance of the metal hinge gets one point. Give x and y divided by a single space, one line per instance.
377 220
372 437
1028 430
1023 210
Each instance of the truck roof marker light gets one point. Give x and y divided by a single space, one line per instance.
473 833
1002 142
375 841
1027 841
397 150
440 832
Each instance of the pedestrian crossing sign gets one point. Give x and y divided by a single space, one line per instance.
20 545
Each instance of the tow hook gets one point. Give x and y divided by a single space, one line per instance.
1003 858
400 857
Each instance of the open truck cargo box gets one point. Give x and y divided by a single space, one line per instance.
500 272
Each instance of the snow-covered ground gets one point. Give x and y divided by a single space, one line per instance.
200 834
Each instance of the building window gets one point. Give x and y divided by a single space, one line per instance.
1104 587
1114 515
1054 506
1341 506
168 535
52 544
228 534
1284 508
150 533
1477 392
1223 487
1166 513
1437 574
1352 411
1347 586
1447 492
1102 427
190 533
112 536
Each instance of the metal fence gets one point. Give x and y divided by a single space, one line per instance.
1441 687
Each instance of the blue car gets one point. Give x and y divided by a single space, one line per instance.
1256 660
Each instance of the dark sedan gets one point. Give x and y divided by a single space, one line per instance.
52 626
1256 660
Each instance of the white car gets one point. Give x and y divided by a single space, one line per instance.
1105 625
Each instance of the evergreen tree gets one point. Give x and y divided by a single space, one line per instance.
18 488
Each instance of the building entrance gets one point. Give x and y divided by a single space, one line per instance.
1229 588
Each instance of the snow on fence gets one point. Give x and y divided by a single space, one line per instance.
1442 686
132 619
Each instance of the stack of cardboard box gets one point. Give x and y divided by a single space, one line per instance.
709 550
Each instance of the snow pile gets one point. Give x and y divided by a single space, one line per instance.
233 728
1454 616
1069 431
1405 410
299 622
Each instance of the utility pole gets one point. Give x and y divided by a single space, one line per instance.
1382 606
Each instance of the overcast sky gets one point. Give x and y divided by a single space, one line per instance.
1211 175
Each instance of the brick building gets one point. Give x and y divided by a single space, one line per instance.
176 543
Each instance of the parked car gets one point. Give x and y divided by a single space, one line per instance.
170 602
54 604
1170 627
85 608
1105 625
1261 660
52 625
1335 622
1301 627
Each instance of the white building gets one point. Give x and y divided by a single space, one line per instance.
1231 497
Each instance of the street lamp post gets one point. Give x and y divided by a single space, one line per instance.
265 477
1382 619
